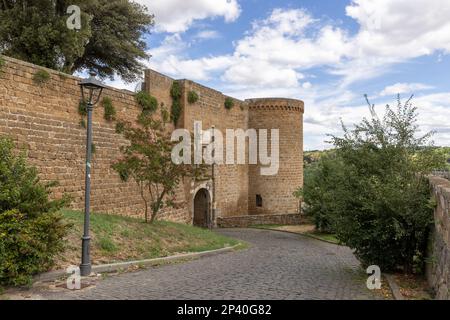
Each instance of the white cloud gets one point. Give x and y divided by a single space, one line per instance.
178 15
207 34
273 57
400 88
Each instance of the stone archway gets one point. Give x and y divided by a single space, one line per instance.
202 205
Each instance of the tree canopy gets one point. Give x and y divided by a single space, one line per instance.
110 41
373 191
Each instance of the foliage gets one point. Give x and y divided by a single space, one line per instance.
148 103
31 231
82 108
41 77
192 97
120 127
176 93
229 103
148 161
109 110
109 42
373 192
2 63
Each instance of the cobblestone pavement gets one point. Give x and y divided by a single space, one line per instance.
276 266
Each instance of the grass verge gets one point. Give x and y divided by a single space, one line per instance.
117 238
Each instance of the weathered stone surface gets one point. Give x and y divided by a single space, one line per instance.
44 120
438 266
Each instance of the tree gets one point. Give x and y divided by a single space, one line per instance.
374 193
148 161
109 42
31 228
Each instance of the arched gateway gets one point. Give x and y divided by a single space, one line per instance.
202 205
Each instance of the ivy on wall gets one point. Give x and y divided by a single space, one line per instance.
176 93
109 110
2 63
229 103
41 77
148 103
192 97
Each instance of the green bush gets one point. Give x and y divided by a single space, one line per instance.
374 194
175 112
176 109
2 63
175 90
229 103
148 103
82 108
192 97
109 110
41 77
31 230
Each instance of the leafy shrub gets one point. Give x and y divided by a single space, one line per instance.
175 90
31 230
41 77
175 112
192 97
28 246
148 103
2 63
229 103
82 108
120 127
374 193
109 110
176 109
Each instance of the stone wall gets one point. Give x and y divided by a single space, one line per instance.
43 120
276 191
261 219
438 266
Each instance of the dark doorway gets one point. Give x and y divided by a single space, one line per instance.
201 208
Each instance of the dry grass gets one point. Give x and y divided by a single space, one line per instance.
116 238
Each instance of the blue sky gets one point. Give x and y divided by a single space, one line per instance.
328 53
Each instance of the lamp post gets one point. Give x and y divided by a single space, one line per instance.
91 90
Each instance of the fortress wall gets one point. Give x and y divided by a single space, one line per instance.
231 180
44 121
286 115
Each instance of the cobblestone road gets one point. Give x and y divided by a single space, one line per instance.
276 266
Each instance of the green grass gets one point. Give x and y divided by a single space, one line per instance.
323 236
117 238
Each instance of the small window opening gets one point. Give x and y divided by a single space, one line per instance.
259 201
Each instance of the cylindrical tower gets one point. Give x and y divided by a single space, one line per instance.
273 194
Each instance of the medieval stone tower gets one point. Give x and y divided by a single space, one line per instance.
272 194
240 194
236 195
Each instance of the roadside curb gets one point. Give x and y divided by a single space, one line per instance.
106 268
395 289
300 234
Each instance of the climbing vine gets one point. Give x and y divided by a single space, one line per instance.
192 97
109 110
148 103
41 77
229 103
2 63
176 93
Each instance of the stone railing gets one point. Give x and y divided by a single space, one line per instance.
438 267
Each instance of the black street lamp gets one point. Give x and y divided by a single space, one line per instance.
91 90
